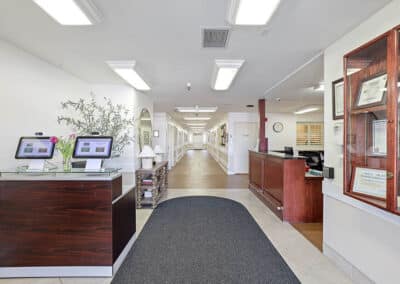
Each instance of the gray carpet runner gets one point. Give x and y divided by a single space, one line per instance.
203 240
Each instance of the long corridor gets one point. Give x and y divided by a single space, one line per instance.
197 169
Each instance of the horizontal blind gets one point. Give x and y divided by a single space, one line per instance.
302 134
309 133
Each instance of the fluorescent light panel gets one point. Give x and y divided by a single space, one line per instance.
71 12
306 110
125 70
225 72
197 118
196 124
252 12
197 109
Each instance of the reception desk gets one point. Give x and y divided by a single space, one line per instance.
64 225
280 181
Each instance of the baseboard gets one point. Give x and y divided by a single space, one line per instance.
355 275
124 253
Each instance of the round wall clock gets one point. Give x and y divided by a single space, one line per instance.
277 127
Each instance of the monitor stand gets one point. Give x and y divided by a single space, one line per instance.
93 165
36 166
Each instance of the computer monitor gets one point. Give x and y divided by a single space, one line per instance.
32 148
288 150
37 150
94 149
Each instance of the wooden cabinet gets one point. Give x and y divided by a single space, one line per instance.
371 152
280 182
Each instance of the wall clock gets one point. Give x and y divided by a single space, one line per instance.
277 127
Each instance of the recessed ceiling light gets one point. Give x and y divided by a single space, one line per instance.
71 12
319 88
197 118
125 70
306 110
225 72
196 124
197 109
251 12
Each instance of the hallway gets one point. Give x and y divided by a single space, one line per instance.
198 169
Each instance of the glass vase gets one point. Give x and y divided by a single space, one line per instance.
67 164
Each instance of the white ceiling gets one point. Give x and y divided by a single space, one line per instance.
164 37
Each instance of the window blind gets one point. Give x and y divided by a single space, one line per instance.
309 133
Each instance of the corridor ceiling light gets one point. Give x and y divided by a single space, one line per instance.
125 70
196 124
71 12
197 118
306 110
319 88
225 72
197 109
251 12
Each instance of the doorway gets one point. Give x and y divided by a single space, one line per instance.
244 138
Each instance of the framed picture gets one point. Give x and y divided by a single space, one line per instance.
372 92
370 182
379 138
338 99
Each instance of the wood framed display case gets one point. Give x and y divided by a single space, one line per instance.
371 152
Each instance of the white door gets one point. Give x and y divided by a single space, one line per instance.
245 138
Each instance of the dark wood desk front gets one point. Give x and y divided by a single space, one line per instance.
64 223
280 182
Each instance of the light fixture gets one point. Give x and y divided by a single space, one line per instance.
197 109
225 72
196 124
307 109
251 12
71 12
197 118
319 88
125 70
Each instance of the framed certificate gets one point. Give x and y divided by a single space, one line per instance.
370 182
379 138
338 99
372 92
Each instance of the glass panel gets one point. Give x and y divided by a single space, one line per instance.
366 160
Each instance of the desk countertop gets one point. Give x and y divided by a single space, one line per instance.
58 177
280 155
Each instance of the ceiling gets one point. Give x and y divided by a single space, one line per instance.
164 37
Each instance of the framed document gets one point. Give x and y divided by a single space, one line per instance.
372 92
370 182
379 143
338 99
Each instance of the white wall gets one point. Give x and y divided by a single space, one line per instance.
216 150
276 141
360 238
31 91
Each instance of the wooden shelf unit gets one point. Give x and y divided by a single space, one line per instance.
159 176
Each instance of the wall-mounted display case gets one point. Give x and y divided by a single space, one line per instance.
371 122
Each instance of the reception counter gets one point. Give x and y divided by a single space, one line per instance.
280 181
64 225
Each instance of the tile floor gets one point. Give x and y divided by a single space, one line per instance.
306 261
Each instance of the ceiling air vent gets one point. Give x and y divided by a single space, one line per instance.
215 38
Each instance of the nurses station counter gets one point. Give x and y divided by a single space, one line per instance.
280 181
61 224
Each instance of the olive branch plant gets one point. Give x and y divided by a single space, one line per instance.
107 119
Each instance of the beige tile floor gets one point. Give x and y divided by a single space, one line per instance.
306 261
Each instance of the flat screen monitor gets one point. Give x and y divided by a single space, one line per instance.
35 148
93 147
288 150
